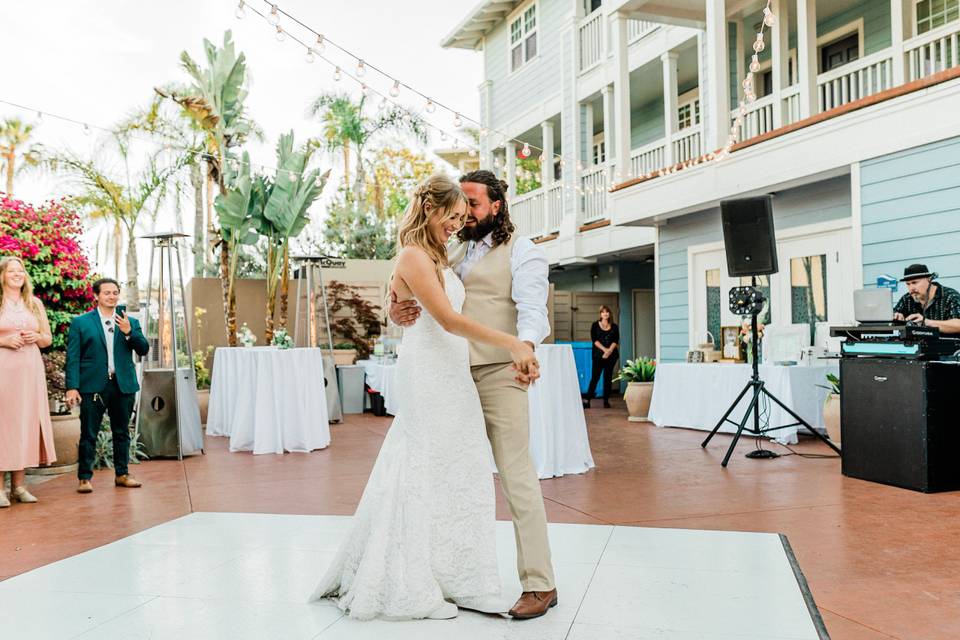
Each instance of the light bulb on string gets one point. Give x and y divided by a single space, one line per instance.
758 44
337 75
240 13
755 63
768 18
364 89
430 107
273 18
525 151
361 69
310 57
281 36
473 153
383 102
457 121
405 116
320 46
395 89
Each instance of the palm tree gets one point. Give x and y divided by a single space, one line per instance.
14 134
346 126
121 200
215 102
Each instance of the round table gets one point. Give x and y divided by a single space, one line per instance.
266 399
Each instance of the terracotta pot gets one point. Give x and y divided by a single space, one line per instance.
66 441
203 400
344 356
637 397
831 417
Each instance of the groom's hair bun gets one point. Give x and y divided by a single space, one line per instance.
497 192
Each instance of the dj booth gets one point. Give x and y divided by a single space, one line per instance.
899 406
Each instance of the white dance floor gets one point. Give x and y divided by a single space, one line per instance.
240 575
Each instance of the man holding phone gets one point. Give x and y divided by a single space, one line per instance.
101 378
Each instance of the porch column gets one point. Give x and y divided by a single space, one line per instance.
780 55
807 57
587 132
606 91
670 98
546 160
717 108
486 142
897 21
621 97
511 151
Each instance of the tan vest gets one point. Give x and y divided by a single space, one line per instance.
489 300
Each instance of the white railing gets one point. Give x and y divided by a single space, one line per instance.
527 213
932 52
554 202
539 212
593 183
647 158
687 143
791 104
856 80
758 119
590 34
636 29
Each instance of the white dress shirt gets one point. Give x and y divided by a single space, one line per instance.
108 323
531 286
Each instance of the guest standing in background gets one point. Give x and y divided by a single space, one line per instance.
605 336
26 435
101 377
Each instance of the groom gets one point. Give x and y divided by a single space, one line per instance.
505 278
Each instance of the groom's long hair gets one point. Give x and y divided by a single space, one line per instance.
497 192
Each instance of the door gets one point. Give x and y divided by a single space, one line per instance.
562 316
644 324
839 53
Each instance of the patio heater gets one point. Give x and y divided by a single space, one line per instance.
168 415
306 332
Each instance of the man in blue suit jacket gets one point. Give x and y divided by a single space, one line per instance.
101 377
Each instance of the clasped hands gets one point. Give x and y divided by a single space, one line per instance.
21 339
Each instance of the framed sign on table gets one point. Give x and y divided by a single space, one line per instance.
730 343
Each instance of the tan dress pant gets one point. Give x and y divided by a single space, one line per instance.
506 412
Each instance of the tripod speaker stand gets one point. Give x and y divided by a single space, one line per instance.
751 300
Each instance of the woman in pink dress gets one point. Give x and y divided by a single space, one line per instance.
26 435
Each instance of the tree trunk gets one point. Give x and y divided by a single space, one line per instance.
229 295
133 272
117 247
346 166
211 229
272 258
284 285
199 245
10 156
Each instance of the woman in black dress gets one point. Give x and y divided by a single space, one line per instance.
605 336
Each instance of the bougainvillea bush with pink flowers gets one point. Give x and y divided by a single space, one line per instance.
47 239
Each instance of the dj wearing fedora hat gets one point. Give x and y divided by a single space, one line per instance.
927 302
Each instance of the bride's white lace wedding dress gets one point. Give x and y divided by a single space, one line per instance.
425 527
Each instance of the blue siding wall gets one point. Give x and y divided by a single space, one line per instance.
810 204
910 207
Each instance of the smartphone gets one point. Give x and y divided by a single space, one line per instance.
121 310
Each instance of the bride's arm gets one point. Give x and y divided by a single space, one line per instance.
419 274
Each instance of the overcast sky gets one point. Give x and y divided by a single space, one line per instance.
95 61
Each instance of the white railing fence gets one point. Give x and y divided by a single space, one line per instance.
590 34
647 158
758 119
791 104
527 213
637 29
932 52
688 143
593 183
554 202
856 80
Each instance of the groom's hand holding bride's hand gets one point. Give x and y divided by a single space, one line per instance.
525 362
405 313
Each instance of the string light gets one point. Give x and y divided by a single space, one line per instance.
240 13
525 151
273 18
310 57
361 69
364 89
430 107
457 122
320 46
280 35
395 89
337 75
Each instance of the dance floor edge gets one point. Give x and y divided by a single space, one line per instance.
247 575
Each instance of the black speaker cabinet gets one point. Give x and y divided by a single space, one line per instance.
900 422
748 236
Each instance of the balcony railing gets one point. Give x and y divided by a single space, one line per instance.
539 212
647 158
791 104
688 143
590 33
856 80
593 202
935 51
758 119
637 29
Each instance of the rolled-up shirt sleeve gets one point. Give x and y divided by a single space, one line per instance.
531 288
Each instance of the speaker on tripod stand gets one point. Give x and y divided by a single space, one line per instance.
750 245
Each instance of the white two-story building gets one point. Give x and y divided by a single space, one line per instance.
623 105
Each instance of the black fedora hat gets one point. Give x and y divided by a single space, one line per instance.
917 271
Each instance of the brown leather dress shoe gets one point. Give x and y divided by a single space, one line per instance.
85 487
127 481
533 604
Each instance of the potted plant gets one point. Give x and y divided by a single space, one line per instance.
831 408
638 375
360 329
202 376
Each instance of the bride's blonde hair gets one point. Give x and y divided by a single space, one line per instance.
438 195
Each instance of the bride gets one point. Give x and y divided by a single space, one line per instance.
424 532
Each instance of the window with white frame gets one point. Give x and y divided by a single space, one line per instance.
688 113
936 13
523 37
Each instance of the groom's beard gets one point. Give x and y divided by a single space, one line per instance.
479 231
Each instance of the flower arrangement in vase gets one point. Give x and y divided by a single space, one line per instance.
246 337
746 337
281 339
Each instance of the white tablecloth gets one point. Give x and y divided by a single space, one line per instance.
269 400
696 396
558 431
